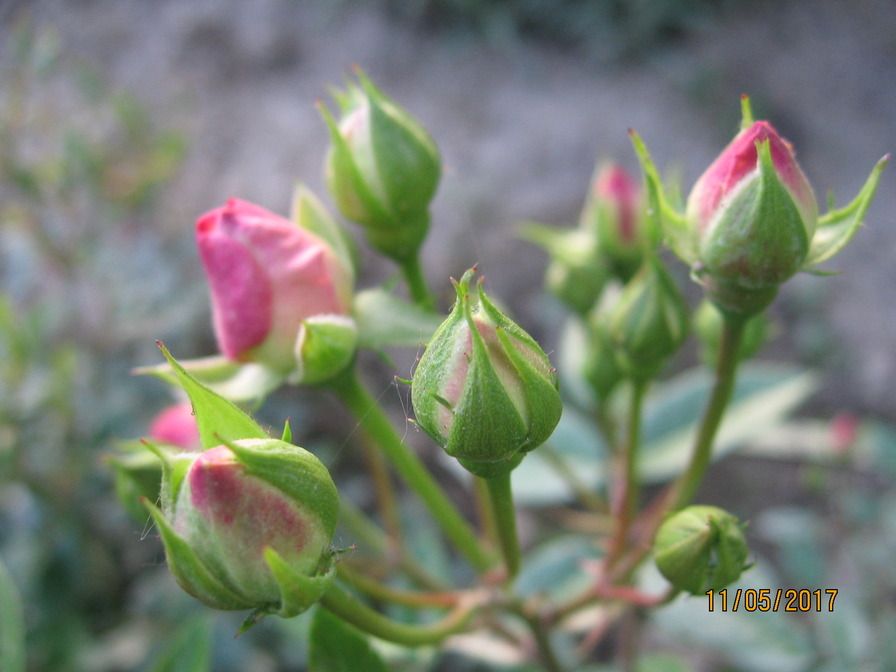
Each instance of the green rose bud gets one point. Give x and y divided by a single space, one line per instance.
577 272
382 169
325 346
248 525
649 323
484 389
701 548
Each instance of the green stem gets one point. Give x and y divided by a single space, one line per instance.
383 592
626 500
501 496
413 274
543 643
378 426
385 496
726 368
358 614
633 442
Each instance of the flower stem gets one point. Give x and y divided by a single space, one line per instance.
501 496
543 643
413 274
377 425
726 368
382 591
627 498
358 614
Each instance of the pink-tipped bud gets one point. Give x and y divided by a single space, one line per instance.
615 211
267 275
233 515
176 426
753 215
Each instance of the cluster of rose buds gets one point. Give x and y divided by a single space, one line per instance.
248 520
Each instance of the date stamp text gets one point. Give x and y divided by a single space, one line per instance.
767 599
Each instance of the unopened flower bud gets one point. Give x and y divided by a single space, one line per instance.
382 169
484 389
614 210
325 346
753 215
138 473
176 426
267 275
701 548
649 323
577 272
244 521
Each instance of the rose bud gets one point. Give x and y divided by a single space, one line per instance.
242 522
382 169
137 469
752 220
754 215
176 426
577 272
615 211
649 322
701 548
484 390
267 275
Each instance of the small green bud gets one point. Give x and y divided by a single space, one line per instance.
484 389
708 324
246 523
325 346
382 169
577 272
701 548
649 323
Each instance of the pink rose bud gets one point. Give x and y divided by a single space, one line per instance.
753 215
267 274
176 426
615 210
235 515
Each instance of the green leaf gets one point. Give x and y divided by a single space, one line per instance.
190 650
763 396
241 383
12 625
384 319
837 227
218 419
338 647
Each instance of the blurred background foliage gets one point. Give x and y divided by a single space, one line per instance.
95 265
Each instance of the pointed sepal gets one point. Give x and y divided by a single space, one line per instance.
837 227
